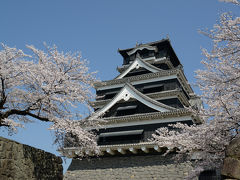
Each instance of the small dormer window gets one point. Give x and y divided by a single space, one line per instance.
162 53
151 53
146 53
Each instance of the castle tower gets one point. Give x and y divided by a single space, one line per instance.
151 91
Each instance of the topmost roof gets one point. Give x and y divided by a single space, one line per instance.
164 43
150 44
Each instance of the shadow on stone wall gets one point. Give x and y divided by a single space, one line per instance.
19 161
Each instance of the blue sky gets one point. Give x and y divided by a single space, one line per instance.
99 28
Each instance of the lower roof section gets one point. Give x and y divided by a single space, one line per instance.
120 149
145 78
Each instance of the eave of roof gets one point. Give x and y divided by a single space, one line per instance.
147 116
177 71
72 152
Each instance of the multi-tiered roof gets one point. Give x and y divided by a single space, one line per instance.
151 91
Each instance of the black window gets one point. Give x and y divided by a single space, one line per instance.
109 95
126 110
132 57
146 53
153 88
162 53
133 136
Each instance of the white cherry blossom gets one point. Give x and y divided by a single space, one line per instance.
47 86
219 82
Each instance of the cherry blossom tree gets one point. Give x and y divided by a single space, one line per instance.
220 86
47 86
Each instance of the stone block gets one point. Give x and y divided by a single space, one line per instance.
3 155
9 155
19 161
7 164
231 168
9 146
233 150
3 177
1 146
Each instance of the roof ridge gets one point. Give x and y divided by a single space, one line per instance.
150 43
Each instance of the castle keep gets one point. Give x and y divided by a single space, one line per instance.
151 91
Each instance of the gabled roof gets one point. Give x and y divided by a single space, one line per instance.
156 95
137 63
152 61
127 92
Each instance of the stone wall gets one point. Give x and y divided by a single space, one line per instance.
19 161
128 167
231 165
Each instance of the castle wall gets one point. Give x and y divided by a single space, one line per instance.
19 162
128 167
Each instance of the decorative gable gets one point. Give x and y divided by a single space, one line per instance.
136 64
141 47
127 92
